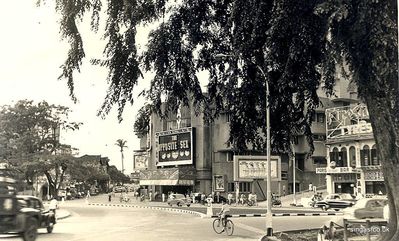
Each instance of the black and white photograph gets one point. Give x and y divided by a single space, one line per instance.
197 120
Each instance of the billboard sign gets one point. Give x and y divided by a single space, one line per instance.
174 147
248 168
219 183
140 161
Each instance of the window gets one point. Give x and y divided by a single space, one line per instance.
296 142
352 156
230 187
245 186
186 122
344 157
229 156
365 156
227 117
320 161
319 137
374 158
314 118
284 175
320 117
171 125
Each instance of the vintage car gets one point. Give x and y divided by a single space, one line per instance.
336 201
179 200
23 215
371 208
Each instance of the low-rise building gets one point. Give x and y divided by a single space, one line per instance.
353 164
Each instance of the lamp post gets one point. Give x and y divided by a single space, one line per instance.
269 215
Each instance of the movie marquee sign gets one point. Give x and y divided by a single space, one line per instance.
174 147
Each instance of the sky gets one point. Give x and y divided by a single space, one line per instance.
32 52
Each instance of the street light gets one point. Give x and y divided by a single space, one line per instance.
269 215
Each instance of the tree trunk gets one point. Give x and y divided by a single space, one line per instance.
52 186
386 135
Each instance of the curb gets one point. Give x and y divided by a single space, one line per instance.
281 215
65 216
149 207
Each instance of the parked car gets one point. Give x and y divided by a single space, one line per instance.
179 200
336 201
367 208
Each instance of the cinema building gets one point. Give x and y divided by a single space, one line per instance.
353 165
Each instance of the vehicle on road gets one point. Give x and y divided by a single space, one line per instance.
220 227
336 201
22 214
370 208
179 200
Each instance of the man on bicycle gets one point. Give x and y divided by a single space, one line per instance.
224 212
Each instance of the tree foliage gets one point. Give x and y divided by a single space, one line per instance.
117 176
29 140
256 34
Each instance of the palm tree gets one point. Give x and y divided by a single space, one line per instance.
122 144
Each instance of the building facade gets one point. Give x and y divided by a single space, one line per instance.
353 164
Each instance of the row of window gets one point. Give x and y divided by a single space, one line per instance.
368 157
172 124
243 186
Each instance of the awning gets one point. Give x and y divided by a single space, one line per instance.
167 182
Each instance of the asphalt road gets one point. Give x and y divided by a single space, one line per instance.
120 223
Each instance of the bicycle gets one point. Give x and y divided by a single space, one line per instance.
227 226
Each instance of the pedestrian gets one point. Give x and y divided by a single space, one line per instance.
163 197
229 198
255 197
242 198
283 190
53 205
250 198
150 197
136 194
203 198
109 196
310 187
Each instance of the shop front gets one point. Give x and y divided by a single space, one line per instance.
176 180
340 179
374 181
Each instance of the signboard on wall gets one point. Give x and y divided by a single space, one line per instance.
329 170
219 183
248 168
174 147
140 161
376 175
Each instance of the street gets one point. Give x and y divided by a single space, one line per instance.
126 223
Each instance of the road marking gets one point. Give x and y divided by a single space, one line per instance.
249 228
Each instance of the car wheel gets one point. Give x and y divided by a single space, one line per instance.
170 204
324 207
188 205
336 209
179 204
50 227
30 232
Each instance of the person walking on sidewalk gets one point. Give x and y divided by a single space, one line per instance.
53 205
109 196
229 198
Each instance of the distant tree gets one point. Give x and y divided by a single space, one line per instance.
117 176
29 138
121 144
